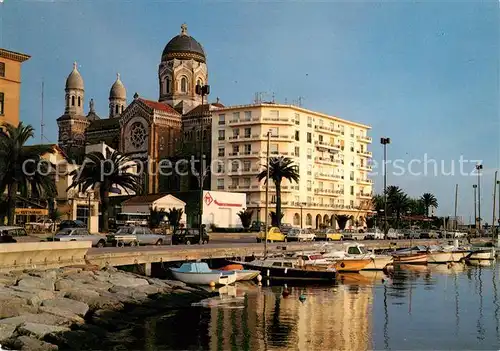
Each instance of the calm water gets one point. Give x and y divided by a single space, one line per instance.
423 308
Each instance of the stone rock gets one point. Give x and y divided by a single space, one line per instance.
39 330
37 283
127 281
77 307
110 301
6 331
175 283
158 282
6 280
49 274
127 291
12 306
43 318
33 296
148 289
83 295
26 343
66 314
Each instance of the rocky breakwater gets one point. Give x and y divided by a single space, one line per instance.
82 308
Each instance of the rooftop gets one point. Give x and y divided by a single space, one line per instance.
12 55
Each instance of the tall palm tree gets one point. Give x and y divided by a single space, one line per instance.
106 172
399 204
18 166
280 168
429 200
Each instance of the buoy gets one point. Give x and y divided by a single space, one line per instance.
302 298
212 284
285 293
259 278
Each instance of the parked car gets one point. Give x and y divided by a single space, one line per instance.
297 234
329 235
79 234
123 236
188 236
274 234
12 234
71 224
285 228
143 235
395 234
257 226
40 226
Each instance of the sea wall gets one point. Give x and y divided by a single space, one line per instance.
82 307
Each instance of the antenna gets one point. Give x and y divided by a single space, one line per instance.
273 97
41 121
301 98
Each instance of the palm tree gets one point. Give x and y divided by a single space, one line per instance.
378 203
18 166
105 173
245 218
174 216
399 204
280 168
429 200
275 222
342 220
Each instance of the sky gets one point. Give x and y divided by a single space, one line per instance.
424 74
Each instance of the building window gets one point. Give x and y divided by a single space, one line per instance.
222 120
246 166
309 219
2 103
273 199
273 148
220 184
321 122
309 185
248 132
274 114
236 133
352 146
320 185
297 151
235 182
320 138
309 169
116 107
79 102
72 101
352 189
352 132
167 85
352 205
2 69
184 83
246 182
222 134
236 116
236 149
309 154
220 168
296 219
235 165
199 82
309 137
351 176
309 121
274 132
248 115
297 134
248 149
297 119
221 152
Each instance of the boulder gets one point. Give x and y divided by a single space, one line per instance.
77 307
175 283
60 312
131 292
26 343
39 330
49 274
110 301
149 289
82 295
6 331
37 283
126 281
6 280
11 306
33 296
44 318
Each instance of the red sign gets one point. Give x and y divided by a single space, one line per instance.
208 199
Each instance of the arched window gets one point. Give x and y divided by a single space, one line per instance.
326 220
199 82
122 109
72 101
309 219
167 85
79 101
296 219
116 109
184 83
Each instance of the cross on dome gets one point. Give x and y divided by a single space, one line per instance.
184 29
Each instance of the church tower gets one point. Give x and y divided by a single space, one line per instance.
183 65
73 123
117 98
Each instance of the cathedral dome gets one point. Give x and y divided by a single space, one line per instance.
74 80
183 46
118 89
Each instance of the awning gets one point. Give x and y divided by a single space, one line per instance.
32 211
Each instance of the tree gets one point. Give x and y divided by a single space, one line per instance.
280 168
378 203
399 204
104 173
18 166
55 216
416 206
275 221
245 218
174 216
342 220
429 200
156 217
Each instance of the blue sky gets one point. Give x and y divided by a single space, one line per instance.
424 74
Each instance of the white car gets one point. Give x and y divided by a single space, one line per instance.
297 234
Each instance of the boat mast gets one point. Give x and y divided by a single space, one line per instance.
456 205
494 207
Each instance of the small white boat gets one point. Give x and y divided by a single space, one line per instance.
358 251
414 255
445 254
241 273
481 254
199 273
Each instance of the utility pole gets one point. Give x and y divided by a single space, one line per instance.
267 191
384 142
456 199
475 208
479 168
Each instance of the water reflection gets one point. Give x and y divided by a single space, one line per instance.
411 308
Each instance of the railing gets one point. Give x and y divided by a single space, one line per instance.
327 129
364 138
365 153
361 180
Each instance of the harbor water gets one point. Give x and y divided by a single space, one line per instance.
416 307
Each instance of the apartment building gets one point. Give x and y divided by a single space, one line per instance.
10 85
331 154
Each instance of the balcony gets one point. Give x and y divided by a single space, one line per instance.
282 137
364 139
364 181
365 167
329 130
364 195
327 160
364 153
243 121
323 191
277 120
328 176
323 145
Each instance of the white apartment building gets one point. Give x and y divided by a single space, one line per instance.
331 154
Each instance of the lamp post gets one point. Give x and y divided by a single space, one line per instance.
202 90
479 168
385 142
267 191
475 206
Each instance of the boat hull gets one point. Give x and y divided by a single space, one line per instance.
312 273
416 258
488 254
440 257
246 274
196 278
378 263
351 265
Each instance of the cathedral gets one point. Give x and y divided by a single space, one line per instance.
149 130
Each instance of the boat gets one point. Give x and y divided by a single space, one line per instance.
481 254
352 265
445 254
282 268
414 255
199 273
241 273
357 251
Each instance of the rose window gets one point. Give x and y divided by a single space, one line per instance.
137 134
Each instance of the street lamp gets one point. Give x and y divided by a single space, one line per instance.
479 168
267 191
475 206
202 90
385 142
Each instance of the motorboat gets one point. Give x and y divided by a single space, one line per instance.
282 268
242 274
481 254
445 254
414 255
199 273
357 251
351 264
